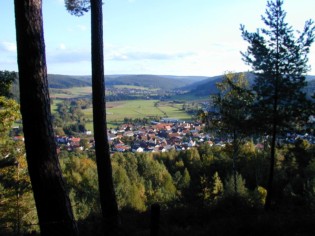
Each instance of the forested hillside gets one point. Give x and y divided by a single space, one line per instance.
198 86
67 81
148 81
243 164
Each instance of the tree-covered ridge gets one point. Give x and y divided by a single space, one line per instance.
148 81
200 178
67 81
206 185
191 85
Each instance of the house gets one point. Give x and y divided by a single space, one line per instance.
18 138
74 141
139 149
88 132
111 137
128 134
121 147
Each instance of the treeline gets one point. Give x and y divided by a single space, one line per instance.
69 118
66 81
201 177
123 97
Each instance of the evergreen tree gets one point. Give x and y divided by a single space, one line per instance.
229 190
52 202
6 80
279 61
217 186
233 104
104 168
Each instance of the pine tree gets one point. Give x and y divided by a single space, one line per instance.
233 103
52 202
279 61
6 80
102 152
217 186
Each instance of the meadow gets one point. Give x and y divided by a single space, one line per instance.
69 93
119 110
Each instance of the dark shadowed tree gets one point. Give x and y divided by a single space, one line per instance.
104 168
52 203
6 80
233 103
279 61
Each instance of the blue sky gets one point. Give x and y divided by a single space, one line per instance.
167 37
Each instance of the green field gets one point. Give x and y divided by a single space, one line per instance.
117 111
134 87
74 92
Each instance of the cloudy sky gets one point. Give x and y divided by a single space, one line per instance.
167 37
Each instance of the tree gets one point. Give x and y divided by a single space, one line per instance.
102 151
229 190
217 186
9 112
53 205
6 80
233 104
279 61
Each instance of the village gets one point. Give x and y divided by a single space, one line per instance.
157 137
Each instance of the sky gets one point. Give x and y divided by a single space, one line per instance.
162 37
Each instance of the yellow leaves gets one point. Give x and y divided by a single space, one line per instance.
9 112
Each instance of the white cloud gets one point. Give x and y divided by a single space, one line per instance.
60 1
82 27
8 46
62 46
113 53
68 56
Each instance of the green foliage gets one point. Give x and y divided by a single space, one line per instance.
217 187
66 81
129 187
9 113
279 61
17 206
260 194
6 80
229 186
158 183
233 104
81 178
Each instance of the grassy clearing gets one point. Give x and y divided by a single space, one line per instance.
117 111
74 92
54 105
134 87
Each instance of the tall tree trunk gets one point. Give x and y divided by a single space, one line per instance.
273 147
235 153
271 169
52 203
104 168
274 121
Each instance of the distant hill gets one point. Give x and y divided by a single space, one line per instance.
198 86
163 82
152 81
310 89
68 81
310 77
208 86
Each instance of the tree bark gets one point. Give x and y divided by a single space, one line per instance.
53 205
104 168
